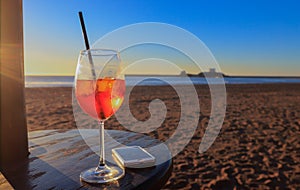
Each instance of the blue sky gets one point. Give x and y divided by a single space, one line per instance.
246 37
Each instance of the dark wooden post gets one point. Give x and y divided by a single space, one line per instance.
13 129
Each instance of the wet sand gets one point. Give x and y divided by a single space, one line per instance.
258 146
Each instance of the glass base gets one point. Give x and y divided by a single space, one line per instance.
102 174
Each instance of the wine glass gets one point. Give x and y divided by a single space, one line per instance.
99 90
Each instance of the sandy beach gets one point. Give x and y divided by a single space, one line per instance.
258 146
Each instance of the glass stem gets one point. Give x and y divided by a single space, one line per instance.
102 151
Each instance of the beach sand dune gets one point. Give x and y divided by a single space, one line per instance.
258 146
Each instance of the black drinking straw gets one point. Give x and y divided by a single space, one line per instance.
86 41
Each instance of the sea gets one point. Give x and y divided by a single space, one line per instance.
68 81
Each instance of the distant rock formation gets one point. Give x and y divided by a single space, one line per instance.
183 74
211 74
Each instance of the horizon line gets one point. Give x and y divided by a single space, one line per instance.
174 75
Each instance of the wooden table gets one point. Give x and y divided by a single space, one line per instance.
57 158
